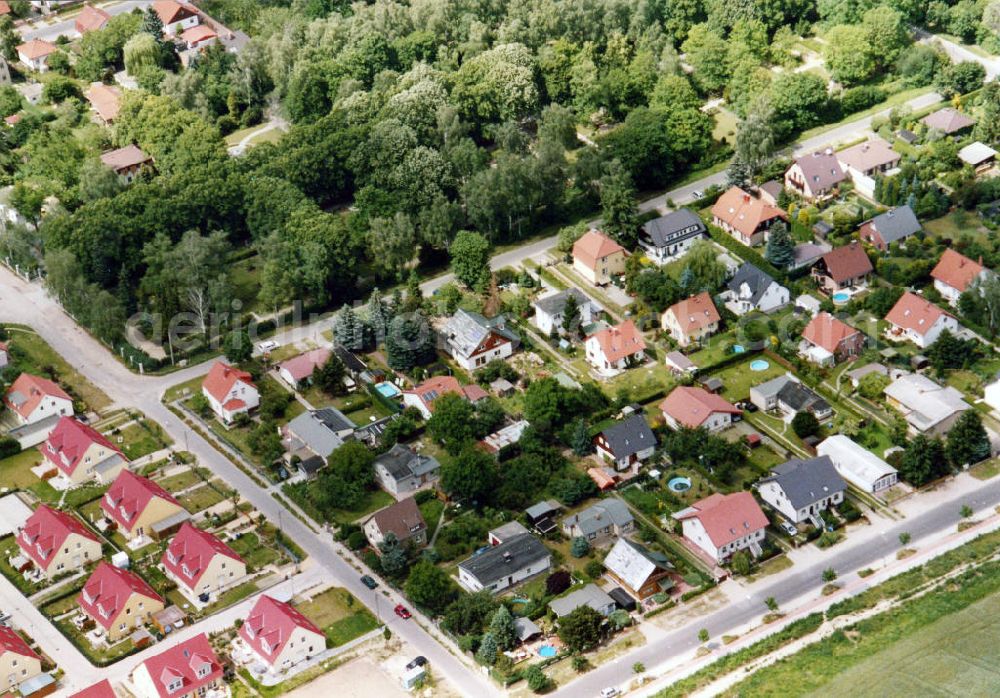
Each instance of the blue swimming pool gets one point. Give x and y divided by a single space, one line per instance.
546 651
679 484
841 297
388 390
759 365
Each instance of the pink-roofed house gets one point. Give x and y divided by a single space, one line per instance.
57 542
33 399
91 19
229 391
140 509
188 669
916 319
18 662
175 16
80 453
35 54
955 273
298 371
827 340
722 524
101 689
201 564
118 600
279 635
598 258
422 397
695 408
615 348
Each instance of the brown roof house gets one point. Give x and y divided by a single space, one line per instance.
127 162
948 121
827 340
815 177
745 216
843 267
691 320
868 159
597 258
402 519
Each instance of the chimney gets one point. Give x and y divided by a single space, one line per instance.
746 198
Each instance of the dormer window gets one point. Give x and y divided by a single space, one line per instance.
175 685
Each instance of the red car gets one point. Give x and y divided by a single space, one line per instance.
402 612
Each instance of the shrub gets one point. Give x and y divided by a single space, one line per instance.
9 447
594 569
557 582
579 547
536 678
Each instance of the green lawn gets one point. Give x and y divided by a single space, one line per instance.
255 554
725 125
180 481
341 617
955 225
739 378
230 596
102 654
8 547
431 511
201 498
142 438
183 390
15 471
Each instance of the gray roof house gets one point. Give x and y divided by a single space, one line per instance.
316 434
752 289
895 225
473 340
401 471
609 517
801 489
668 237
502 566
789 396
549 309
590 595
639 570
626 443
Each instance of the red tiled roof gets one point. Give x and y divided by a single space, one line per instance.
435 387
32 390
744 212
695 313
108 590
91 19
847 262
956 270
190 553
46 530
123 158
820 170
827 332
36 48
594 245
601 478
303 365
13 119
69 441
101 689
4 7
690 406
270 625
473 393
128 497
727 517
915 313
197 34
170 11
221 379
620 341
106 100
10 641
181 663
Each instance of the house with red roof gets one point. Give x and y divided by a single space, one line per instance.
105 101
298 370
847 266
18 662
91 19
4 8
422 397
101 689
827 340
691 320
201 564
695 408
198 37
128 162
597 258
188 669
176 17
57 542
35 54
118 600
948 121
80 453
229 391
279 635
745 216
954 274
722 524
916 319
615 348
33 400
140 509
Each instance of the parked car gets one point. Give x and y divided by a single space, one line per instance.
609 692
696 194
369 582
789 528
267 346
401 611
419 660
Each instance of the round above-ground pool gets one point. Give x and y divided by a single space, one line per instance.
547 651
738 349
679 484
759 365
388 390
841 297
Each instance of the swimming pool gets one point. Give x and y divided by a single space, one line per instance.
759 365
679 484
547 651
388 390
841 297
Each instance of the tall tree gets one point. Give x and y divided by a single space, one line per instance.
755 144
571 314
968 441
470 259
923 460
502 628
780 249
378 315
409 342
348 330
618 204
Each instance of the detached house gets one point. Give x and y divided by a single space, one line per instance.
843 267
815 177
615 348
591 595
91 19
176 17
895 225
35 54
201 564
118 600
789 396
186 670
955 273
609 517
751 289
403 519
598 258
696 408
127 162
917 320
105 100
948 121
720 525
401 470
57 542
801 489
80 453
33 399
505 565
744 216
928 408
639 570
422 397
18 662
669 237
627 443
549 310
827 340
313 436
229 391
691 320
298 371
473 340
279 635
141 509
868 159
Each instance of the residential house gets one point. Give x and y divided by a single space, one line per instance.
639 570
801 489
505 565
4 8
279 636
895 225
505 436
90 19
615 348
57 542
590 595
815 176
787 395
473 340
201 564
827 340
18 662
32 400
626 443
843 267
868 159
979 156
422 397
695 408
955 273
105 101
80 453
141 509
401 471
744 216
101 689
188 669
355 366
916 319
598 522
119 601
752 289
403 519
542 515
128 162
549 310
310 438
35 54
722 524
858 465
229 391
598 258
176 17
669 237
928 408
505 532
948 121
298 371
691 320
198 37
